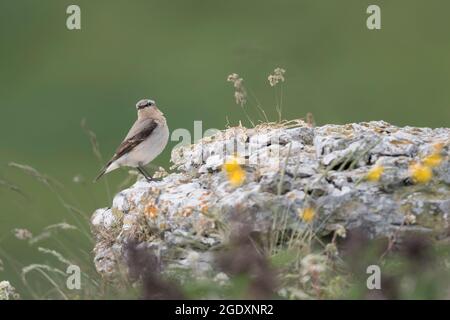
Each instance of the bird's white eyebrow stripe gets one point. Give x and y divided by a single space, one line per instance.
144 104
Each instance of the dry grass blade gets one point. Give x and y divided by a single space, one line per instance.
96 150
51 230
61 226
93 139
13 188
56 254
48 181
75 210
43 269
42 236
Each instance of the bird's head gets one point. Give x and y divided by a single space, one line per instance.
147 107
145 103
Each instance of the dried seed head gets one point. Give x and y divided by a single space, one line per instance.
240 94
277 76
22 234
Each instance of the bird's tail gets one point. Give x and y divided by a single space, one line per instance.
105 170
102 172
110 166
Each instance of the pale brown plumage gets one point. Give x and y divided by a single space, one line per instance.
146 139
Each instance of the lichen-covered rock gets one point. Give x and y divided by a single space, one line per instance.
7 291
288 167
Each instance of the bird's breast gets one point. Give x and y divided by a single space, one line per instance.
150 148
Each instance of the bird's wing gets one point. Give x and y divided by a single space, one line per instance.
140 131
139 126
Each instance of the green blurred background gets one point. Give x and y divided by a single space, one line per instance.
180 53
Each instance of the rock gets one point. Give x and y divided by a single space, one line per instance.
7 291
184 216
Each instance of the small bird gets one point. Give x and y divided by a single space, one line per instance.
146 139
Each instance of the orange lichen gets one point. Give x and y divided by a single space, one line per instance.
151 211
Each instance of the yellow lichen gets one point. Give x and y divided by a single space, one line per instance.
235 173
307 214
375 173
433 160
420 173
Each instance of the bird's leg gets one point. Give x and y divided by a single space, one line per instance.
144 173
